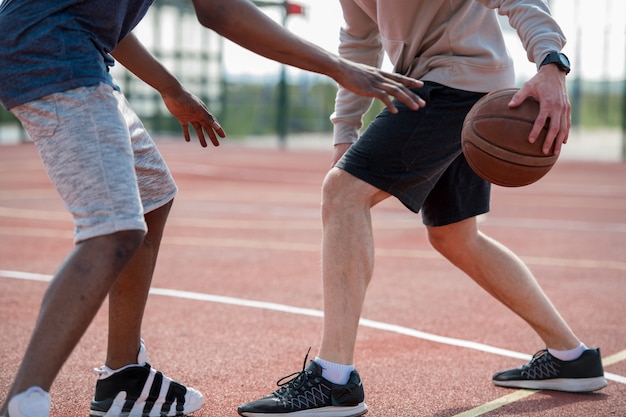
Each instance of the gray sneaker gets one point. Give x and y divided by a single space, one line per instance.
308 394
545 372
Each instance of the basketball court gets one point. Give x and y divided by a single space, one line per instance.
237 298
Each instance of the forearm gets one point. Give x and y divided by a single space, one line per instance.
243 23
138 60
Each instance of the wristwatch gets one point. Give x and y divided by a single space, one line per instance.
559 59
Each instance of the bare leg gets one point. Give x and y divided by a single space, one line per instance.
71 301
347 260
128 297
503 275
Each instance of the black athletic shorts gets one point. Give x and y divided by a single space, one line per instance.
416 156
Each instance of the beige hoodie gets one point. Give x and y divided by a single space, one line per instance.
457 43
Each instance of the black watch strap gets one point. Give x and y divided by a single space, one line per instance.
559 59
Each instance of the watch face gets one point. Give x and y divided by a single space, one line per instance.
559 59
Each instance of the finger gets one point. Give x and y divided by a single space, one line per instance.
408 96
220 132
518 98
558 143
566 123
538 126
403 94
210 123
384 92
200 134
552 136
213 138
412 100
561 139
185 131
211 127
217 128
388 103
408 81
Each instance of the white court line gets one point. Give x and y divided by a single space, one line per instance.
189 295
497 403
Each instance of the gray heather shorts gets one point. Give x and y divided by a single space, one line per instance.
99 157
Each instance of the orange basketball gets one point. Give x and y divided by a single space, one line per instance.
495 141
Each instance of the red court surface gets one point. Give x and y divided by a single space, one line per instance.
237 298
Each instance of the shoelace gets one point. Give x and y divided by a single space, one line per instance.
541 366
295 383
539 357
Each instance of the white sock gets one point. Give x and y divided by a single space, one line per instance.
142 355
568 355
34 402
142 359
335 372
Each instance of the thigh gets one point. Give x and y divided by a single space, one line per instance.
155 182
458 195
406 154
85 146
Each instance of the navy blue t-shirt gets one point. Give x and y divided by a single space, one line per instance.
48 46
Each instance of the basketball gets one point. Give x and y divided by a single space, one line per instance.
495 141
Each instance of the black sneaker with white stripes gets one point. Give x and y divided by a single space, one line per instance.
141 391
308 394
545 372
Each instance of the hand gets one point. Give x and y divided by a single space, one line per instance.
548 87
371 82
189 109
338 151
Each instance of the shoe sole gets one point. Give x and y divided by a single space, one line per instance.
355 411
566 385
193 403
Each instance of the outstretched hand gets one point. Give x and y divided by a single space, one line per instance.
189 109
371 82
548 88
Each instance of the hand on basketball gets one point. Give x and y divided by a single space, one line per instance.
548 87
371 82
189 109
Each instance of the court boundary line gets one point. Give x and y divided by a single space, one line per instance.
497 403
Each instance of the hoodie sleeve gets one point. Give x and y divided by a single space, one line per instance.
359 41
535 26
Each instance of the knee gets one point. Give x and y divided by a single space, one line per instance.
343 192
124 244
105 256
333 192
453 239
439 239
338 194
